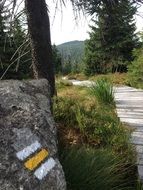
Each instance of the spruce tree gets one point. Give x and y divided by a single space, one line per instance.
112 38
11 40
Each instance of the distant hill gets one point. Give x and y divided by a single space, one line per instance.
72 51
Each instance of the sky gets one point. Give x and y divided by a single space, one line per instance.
64 26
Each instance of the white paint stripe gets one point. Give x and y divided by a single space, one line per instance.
27 151
43 170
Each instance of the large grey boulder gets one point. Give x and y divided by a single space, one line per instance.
28 142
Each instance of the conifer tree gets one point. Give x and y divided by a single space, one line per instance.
112 38
10 41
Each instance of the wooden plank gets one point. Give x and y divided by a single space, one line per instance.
136 126
140 171
137 140
139 149
130 116
137 133
137 94
128 106
125 98
138 110
132 113
128 102
131 120
128 92
140 159
139 129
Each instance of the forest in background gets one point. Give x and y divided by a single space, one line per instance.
113 46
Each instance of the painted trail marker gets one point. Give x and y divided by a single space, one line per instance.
28 141
34 161
42 171
27 151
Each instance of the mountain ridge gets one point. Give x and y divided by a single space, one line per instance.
72 51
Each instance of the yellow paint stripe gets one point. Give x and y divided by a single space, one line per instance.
33 162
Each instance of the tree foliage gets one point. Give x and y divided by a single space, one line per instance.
135 74
112 38
14 64
57 60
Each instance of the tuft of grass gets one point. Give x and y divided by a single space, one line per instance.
139 185
103 91
90 169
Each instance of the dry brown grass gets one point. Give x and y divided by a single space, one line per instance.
116 79
77 93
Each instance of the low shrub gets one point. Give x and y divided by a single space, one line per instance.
135 70
64 111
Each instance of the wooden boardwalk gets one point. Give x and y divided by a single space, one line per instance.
129 105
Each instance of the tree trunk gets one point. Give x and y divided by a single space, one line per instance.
39 30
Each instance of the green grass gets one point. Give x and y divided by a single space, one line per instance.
91 169
99 125
103 91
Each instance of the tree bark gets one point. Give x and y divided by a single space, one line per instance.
39 30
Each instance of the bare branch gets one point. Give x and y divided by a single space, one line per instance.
2 4
12 64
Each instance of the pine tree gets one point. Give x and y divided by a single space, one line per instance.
22 68
10 41
112 38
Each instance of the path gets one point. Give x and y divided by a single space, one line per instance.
129 106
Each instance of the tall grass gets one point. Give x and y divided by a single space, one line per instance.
103 91
88 169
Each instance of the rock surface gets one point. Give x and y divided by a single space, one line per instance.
28 144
